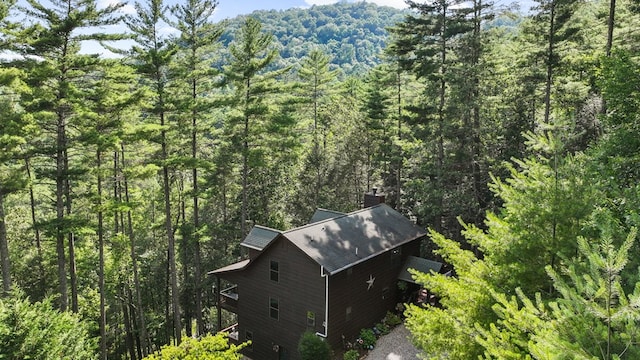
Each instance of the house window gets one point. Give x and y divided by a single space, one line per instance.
311 319
348 314
396 256
248 336
274 308
274 271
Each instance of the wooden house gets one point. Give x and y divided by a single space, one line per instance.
333 277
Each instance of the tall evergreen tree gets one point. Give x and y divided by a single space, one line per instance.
253 115
152 55
198 37
13 132
110 94
434 43
316 77
554 16
50 50
516 247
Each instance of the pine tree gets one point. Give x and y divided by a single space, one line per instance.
440 43
253 115
13 132
109 95
50 49
317 76
198 37
516 246
152 56
592 318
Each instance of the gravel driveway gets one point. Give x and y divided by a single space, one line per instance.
394 346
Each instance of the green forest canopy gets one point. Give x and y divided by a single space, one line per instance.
514 138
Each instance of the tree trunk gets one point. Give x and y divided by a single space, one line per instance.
196 219
36 229
550 53
60 229
400 155
4 249
610 25
127 323
175 296
101 287
441 120
134 264
478 183
71 236
245 164
187 287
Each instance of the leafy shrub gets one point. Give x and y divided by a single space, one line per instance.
392 319
383 328
312 347
38 331
210 347
351 355
368 338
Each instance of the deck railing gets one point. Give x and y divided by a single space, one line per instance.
232 333
229 298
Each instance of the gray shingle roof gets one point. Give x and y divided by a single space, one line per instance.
341 242
324 214
259 237
420 264
240 265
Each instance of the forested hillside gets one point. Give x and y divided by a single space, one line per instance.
124 181
354 34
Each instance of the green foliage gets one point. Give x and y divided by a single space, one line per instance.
37 331
368 338
592 318
352 33
383 328
391 319
544 201
210 347
312 347
316 139
351 355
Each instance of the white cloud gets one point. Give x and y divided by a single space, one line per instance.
399 4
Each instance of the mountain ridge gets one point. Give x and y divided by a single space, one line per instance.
353 34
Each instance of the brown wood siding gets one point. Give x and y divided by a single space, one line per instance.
299 289
349 289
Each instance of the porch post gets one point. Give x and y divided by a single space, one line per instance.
219 303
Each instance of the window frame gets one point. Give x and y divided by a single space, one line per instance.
311 319
274 309
274 273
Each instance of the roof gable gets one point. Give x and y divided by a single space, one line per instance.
343 241
259 237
